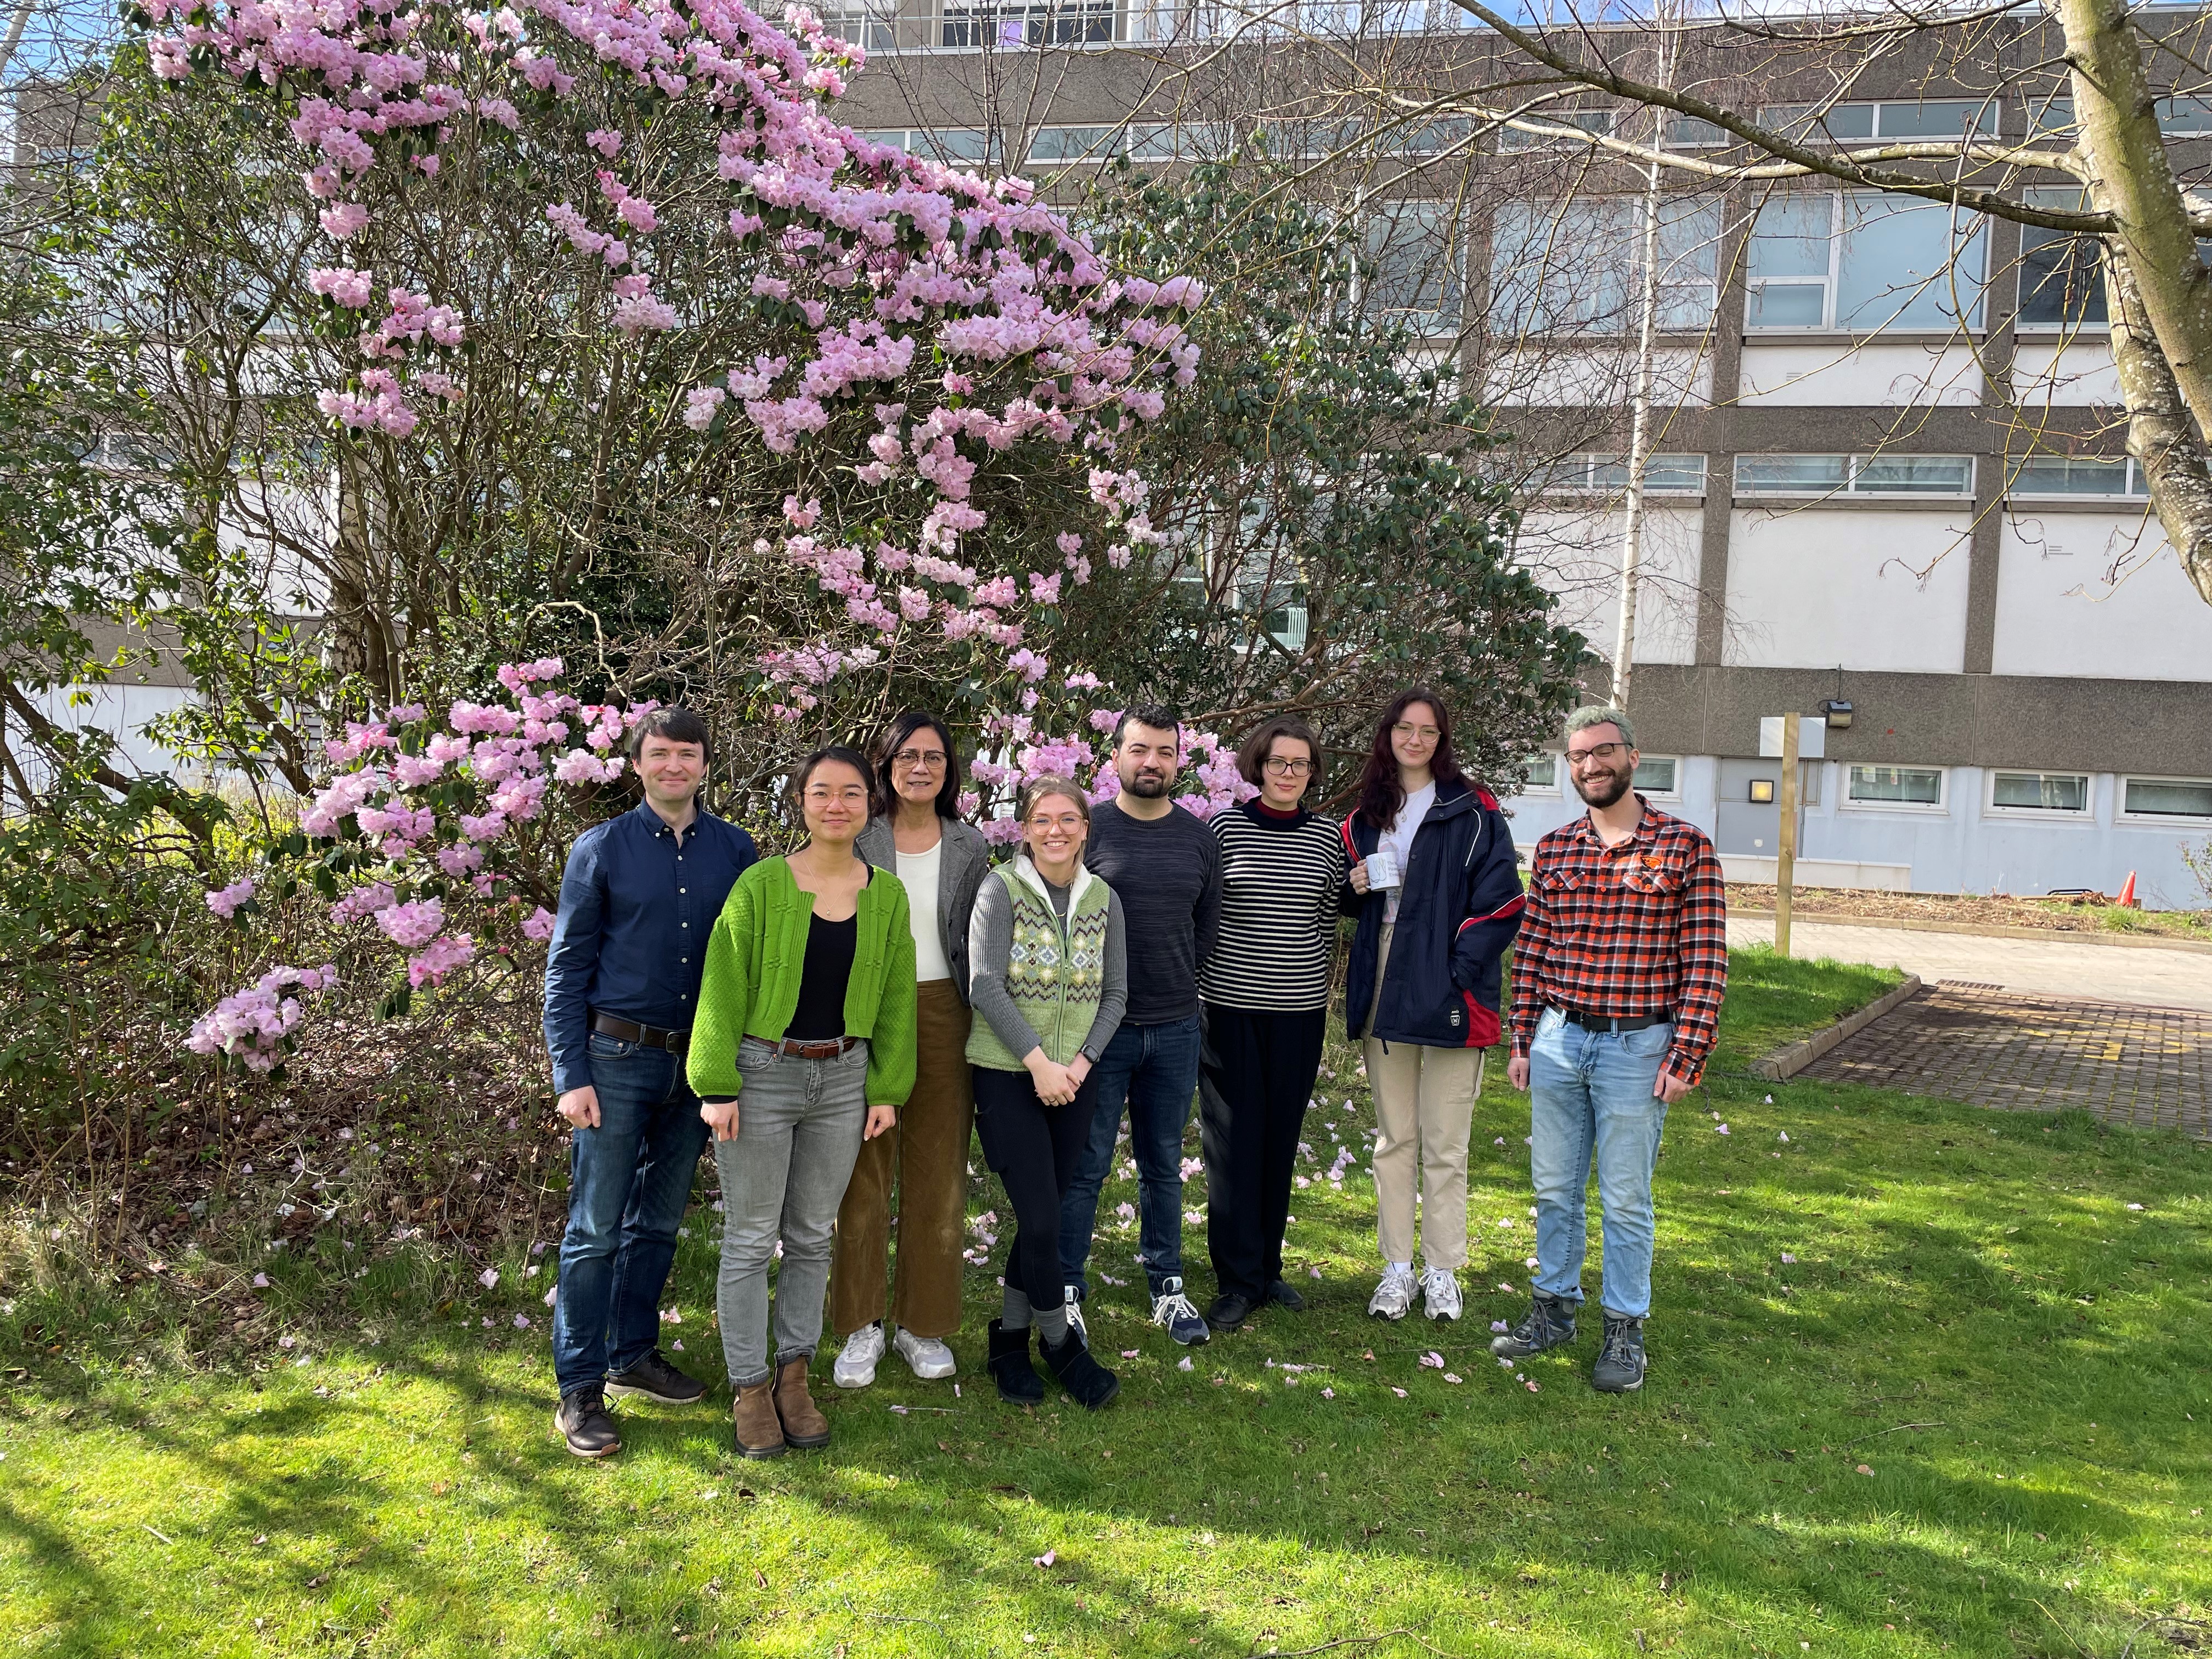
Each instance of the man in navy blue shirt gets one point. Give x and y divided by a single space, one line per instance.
638 901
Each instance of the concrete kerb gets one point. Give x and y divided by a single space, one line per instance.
1785 1062
1987 930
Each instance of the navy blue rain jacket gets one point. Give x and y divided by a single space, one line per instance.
1460 909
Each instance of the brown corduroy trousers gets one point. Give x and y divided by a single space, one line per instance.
927 1156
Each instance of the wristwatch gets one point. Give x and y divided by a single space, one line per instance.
1085 1051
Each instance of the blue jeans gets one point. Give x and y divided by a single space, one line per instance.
628 1181
1154 1069
1590 1097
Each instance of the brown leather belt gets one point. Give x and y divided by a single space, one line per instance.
629 1031
828 1049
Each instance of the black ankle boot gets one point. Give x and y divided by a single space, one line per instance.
1091 1382
1619 1368
1018 1382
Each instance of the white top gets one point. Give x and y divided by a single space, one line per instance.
1399 838
917 873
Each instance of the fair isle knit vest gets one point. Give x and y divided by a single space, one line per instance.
1055 971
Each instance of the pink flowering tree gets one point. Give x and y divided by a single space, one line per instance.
615 344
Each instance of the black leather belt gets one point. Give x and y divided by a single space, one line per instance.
1613 1022
629 1031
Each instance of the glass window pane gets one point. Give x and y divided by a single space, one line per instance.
2170 798
1429 138
1655 776
1915 475
1569 266
1688 132
2179 117
2071 475
1902 262
1791 474
1905 785
1414 251
1849 122
1790 238
2045 791
1788 304
1939 118
1072 144
2051 115
1544 772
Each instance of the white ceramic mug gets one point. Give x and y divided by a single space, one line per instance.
1382 870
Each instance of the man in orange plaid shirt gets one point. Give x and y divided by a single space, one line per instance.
1618 976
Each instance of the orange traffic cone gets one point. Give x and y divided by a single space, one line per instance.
2127 899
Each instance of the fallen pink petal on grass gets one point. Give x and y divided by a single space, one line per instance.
1400 1392
1047 1559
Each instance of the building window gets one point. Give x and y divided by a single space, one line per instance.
1659 775
1543 775
2185 118
2040 792
1598 123
1859 261
1578 266
1167 141
864 26
1030 23
1935 117
2188 799
1608 475
1075 144
2061 279
1880 476
1910 788
2073 477
1413 254
1688 132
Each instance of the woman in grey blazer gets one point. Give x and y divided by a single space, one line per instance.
941 861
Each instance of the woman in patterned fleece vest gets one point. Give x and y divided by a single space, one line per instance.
1049 979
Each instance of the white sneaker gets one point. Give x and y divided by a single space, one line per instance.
930 1359
856 1366
1393 1297
1440 1292
1075 1306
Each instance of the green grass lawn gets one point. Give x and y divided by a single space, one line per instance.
1973 1416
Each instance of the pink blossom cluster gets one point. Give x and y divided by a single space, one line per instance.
225 900
255 1025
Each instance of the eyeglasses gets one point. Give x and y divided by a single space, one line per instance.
1283 768
1596 751
1407 729
822 794
1067 824
931 758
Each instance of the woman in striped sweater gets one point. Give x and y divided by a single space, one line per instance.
1263 1003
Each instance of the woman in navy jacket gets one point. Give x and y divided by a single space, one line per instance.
1438 900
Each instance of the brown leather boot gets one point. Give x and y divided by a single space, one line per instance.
758 1430
804 1425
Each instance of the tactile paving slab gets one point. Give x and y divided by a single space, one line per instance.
2150 1067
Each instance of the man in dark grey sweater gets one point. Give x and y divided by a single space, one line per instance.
1164 866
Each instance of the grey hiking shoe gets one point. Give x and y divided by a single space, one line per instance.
1551 1322
1619 1368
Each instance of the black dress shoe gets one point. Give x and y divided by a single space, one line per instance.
1285 1294
585 1425
1230 1309
654 1378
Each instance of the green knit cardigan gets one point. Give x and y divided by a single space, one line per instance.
756 956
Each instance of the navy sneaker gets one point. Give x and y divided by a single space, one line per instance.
1172 1309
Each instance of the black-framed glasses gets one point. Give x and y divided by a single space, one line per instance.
1283 767
1596 751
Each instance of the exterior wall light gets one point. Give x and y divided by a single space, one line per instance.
1837 712
1762 792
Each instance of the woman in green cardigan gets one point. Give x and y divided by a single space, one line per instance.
803 1047
1048 979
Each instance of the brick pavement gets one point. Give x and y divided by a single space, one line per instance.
1989 1046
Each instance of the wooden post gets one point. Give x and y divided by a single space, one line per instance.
1785 862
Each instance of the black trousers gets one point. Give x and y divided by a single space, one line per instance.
1255 1075
1033 1148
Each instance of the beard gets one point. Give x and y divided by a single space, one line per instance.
1149 786
1604 791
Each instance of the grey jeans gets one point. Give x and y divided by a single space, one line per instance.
783 1177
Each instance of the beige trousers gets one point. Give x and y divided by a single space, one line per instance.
1424 1108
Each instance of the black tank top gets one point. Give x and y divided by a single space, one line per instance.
820 1015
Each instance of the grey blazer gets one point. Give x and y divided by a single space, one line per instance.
960 871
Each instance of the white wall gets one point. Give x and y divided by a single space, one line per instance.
122 711
1578 556
1871 374
2100 595
2064 373
1872 589
1546 375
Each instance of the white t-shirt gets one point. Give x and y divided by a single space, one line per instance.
917 872
1399 838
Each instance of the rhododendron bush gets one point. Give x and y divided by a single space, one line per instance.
601 306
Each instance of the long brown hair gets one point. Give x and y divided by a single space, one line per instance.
1381 793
